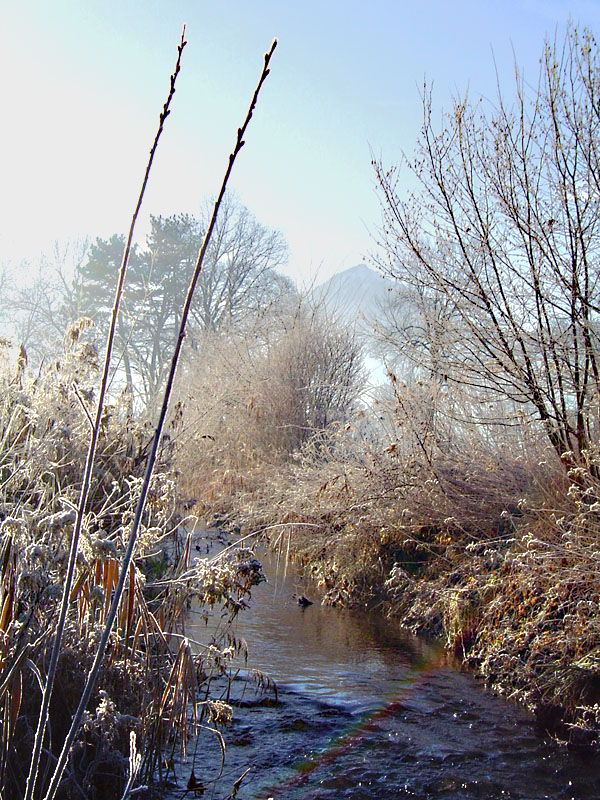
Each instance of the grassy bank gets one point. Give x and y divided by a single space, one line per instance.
492 546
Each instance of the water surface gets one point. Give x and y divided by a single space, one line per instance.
366 711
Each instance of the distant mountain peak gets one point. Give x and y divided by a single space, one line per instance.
357 271
355 293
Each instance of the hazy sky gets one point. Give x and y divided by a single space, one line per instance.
83 82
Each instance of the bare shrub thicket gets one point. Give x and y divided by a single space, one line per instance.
253 398
396 496
500 244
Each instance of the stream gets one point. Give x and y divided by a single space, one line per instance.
365 710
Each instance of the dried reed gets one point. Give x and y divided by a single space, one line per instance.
128 554
89 464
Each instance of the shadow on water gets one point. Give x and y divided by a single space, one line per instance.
365 710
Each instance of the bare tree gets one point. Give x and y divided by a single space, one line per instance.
411 332
506 232
240 276
316 370
42 309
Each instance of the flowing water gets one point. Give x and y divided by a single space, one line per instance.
365 711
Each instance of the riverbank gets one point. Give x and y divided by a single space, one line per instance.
364 708
499 558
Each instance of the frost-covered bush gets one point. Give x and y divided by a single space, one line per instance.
150 675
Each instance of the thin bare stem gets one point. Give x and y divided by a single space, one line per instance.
83 405
91 454
128 555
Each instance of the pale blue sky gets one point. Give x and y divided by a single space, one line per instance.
83 82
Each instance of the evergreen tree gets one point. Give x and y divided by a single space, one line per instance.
239 278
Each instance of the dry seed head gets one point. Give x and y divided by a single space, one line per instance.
55 522
30 581
78 327
12 526
37 551
52 592
135 757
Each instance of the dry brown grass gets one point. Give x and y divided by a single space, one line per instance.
152 680
478 535
255 397
539 634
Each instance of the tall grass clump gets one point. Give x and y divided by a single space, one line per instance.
257 395
98 689
45 435
152 677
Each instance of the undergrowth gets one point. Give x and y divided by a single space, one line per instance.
483 538
154 683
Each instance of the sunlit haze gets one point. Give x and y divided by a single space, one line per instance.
83 83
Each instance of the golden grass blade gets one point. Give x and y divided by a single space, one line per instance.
129 618
82 580
15 699
6 616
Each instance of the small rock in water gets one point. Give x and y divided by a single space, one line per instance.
303 601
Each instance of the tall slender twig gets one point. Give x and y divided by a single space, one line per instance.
91 454
128 555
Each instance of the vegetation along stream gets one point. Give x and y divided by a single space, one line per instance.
426 436
364 710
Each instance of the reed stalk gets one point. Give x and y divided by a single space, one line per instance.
128 555
91 453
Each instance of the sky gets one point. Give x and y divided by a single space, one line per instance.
82 84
